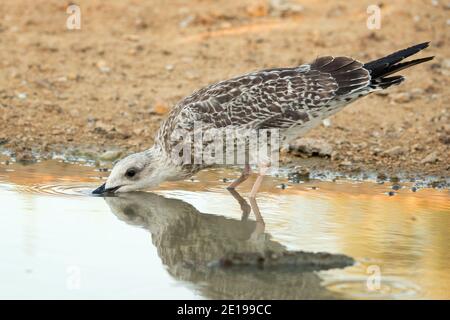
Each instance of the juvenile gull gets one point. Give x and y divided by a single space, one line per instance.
292 100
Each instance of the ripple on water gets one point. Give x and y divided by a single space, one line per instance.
58 189
388 288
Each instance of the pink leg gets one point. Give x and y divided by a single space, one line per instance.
262 171
244 176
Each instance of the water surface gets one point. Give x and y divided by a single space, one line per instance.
59 242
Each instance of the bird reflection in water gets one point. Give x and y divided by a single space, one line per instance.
192 245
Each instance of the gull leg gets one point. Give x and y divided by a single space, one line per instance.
262 171
244 176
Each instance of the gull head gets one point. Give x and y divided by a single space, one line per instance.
135 172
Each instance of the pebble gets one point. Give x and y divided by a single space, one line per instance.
326 122
391 193
186 21
431 158
413 189
300 174
395 151
402 97
396 187
110 155
22 96
346 163
159 108
102 66
311 147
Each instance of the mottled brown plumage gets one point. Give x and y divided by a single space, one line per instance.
292 100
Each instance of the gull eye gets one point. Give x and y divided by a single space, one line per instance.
130 173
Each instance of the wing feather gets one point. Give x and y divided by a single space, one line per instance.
272 98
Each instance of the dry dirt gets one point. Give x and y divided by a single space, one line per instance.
108 85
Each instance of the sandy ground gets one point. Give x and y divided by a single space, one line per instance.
108 86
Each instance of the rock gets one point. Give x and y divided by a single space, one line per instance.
110 155
102 128
299 174
186 21
326 122
391 193
311 147
431 158
22 95
102 66
335 155
345 163
257 10
444 138
25 157
159 108
402 97
284 7
417 147
138 131
395 151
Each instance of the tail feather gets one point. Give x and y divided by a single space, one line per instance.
383 83
390 64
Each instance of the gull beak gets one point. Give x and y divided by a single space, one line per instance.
102 189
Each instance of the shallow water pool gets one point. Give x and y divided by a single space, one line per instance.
59 242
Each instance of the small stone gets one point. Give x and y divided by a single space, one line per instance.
284 7
22 95
402 97
299 174
346 163
102 66
311 147
382 176
110 155
396 187
444 138
132 37
431 158
413 189
169 67
326 122
25 157
391 193
258 10
186 21
138 131
395 151
159 108
283 186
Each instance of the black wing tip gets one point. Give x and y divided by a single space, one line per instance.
424 45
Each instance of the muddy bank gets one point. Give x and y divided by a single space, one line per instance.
101 92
